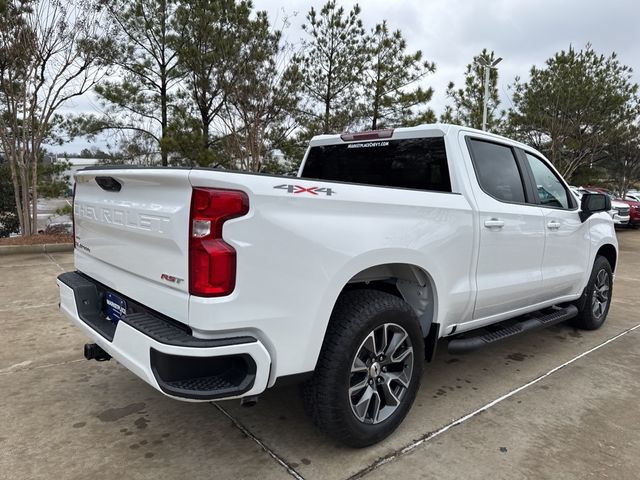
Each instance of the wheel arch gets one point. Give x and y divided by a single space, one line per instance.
407 280
410 282
609 252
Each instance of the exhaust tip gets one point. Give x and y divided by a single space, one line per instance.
93 351
249 401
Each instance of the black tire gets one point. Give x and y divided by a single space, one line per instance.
594 304
331 396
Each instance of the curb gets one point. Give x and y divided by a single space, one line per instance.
43 248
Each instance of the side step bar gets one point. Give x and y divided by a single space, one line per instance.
483 337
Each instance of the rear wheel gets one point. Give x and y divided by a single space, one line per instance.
594 304
369 368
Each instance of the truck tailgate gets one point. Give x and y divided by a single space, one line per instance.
131 232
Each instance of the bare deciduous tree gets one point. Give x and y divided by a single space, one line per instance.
49 52
257 112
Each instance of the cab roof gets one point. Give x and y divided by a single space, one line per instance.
419 131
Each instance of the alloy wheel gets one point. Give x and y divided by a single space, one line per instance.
380 373
600 297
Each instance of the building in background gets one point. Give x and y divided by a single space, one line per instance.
75 164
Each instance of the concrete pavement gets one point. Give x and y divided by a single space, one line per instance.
67 418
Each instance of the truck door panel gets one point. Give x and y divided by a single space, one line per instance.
512 232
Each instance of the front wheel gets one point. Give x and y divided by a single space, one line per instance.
594 304
369 368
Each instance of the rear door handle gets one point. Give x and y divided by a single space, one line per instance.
494 223
553 225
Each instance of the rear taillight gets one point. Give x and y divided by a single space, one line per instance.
212 261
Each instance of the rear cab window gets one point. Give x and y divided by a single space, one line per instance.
416 163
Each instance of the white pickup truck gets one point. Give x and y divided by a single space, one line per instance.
212 284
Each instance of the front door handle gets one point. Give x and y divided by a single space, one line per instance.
494 223
553 225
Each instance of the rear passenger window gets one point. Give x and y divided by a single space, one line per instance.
497 171
417 163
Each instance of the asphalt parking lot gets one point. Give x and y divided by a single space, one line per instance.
559 403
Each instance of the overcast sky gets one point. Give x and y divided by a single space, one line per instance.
451 32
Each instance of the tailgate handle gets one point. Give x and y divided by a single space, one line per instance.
109 184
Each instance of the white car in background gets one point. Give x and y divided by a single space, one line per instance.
577 191
620 211
633 196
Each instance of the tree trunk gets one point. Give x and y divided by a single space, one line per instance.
163 89
205 134
256 147
164 121
376 99
34 193
327 112
16 188
24 189
327 101
206 122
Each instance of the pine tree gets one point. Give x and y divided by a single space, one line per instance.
261 102
390 75
575 107
332 65
140 100
468 101
213 35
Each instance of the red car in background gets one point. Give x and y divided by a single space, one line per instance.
634 207
634 212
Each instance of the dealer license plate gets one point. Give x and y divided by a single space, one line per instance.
116 307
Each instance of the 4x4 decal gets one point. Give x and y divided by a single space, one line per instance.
310 190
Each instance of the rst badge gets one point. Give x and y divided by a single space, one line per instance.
171 278
310 190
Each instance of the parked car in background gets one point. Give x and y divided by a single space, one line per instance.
620 211
633 196
577 192
634 212
632 202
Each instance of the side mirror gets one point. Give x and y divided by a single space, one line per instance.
593 203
